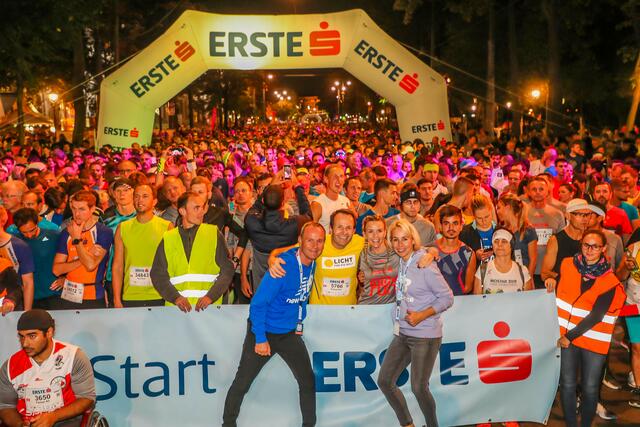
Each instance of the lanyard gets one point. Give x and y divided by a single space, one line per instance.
304 285
401 282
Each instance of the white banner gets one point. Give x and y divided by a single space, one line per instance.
161 367
200 41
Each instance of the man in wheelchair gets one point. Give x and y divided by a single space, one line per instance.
48 382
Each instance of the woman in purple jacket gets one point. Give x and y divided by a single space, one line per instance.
422 295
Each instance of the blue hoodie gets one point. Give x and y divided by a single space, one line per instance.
274 307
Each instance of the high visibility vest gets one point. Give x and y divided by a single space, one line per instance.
140 242
573 306
193 278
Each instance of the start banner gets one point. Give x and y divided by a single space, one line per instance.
160 367
200 41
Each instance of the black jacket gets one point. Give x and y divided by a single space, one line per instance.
269 230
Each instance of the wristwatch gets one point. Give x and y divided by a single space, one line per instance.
76 241
236 260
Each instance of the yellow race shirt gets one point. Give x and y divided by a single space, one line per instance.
336 280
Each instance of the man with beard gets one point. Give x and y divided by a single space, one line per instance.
34 371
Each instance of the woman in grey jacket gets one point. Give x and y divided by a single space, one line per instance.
422 295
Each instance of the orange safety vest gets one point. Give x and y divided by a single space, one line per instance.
574 306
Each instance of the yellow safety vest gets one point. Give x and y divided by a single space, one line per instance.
192 278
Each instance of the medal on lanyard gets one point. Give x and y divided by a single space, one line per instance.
305 293
400 288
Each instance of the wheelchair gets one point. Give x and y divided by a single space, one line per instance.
93 418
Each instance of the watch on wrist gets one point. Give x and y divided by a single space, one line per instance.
236 260
76 241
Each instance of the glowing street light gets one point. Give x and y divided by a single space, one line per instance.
535 93
508 105
474 107
269 76
53 98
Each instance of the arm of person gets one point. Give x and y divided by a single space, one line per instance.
244 274
9 415
532 249
9 280
470 274
316 211
304 208
117 269
440 289
238 230
224 279
90 259
27 291
62 266
597 313
275 263
624 269
160 276
477 286
267 291
549 259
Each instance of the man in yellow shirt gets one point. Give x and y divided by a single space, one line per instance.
335 280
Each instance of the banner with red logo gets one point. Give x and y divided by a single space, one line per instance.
158 367
200 41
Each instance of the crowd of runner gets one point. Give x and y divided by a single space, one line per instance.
199 219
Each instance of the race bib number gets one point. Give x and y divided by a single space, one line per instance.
543 235
336 287
518 255
72 291
43 399
140 276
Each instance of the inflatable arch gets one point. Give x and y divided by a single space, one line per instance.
200 41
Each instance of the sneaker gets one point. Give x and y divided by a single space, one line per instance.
634 403
604 413
631 381
611 382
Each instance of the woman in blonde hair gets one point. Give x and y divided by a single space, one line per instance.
513 217
421 296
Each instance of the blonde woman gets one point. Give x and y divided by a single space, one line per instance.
421 296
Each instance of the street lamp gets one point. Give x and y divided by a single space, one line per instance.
265 88
340 88
53 98
536 94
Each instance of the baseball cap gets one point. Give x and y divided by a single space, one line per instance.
122 182
582 204
433 167
409 194
35 319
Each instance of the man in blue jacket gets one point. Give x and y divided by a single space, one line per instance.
276 318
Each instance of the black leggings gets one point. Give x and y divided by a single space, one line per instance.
293 351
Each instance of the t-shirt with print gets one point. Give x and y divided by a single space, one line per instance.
101 235
335 280
547 222
19 254
496 282
453 266
616 220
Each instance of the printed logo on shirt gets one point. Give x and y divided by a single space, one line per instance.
340 262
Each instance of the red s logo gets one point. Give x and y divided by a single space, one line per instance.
504 361
409 83
184 51
324 43
133 133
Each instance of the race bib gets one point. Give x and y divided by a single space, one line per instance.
72 291
543 235
43 399
518 256
336 287
140 276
